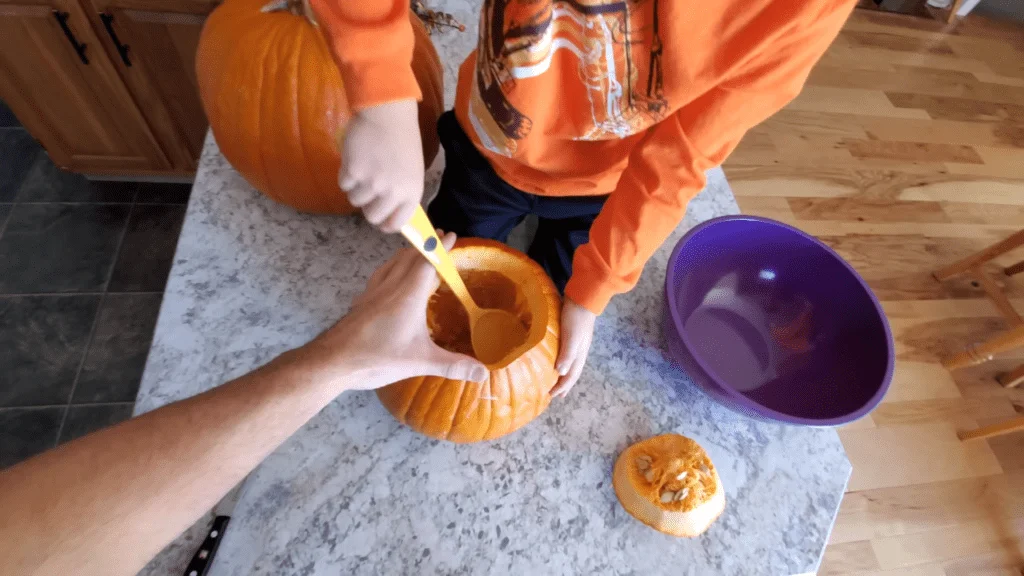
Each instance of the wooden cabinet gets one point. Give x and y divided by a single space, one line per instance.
154 42
58 81
107 86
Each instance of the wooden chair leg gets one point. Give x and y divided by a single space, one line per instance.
993 251
995 293
993 430
976 354
1013 378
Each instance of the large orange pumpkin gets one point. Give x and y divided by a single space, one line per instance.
276 103
519 386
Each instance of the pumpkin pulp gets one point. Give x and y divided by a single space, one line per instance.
669 483
449 322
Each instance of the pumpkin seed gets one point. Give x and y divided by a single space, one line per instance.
667 496
646 457
642 464
649 475
682 494
681 475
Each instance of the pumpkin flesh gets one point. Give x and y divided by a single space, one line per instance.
672 465
449 323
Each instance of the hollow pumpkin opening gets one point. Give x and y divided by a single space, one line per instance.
495 281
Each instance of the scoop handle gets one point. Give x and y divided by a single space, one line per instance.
420 233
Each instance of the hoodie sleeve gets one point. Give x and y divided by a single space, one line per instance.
667 168
372 44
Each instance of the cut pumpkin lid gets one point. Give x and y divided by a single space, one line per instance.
669 483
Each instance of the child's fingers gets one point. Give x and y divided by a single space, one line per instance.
565 383
399 217
360 192
447 240
347 181
378 210
567 353
571 378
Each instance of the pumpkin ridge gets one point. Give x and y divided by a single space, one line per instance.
543 397
536 399
405 384
471 407
491 422
458 405
446 431
550 350
281 63
260 107
296 66
433 387
402 413
516 403
487 407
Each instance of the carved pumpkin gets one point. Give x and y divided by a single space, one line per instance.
669 483
275 101
518 388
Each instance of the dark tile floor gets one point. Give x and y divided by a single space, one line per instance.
83 266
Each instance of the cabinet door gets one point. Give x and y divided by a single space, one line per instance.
65 90
153 44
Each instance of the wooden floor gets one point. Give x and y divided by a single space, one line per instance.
905 152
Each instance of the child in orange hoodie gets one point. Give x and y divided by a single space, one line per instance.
598 116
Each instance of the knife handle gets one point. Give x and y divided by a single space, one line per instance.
200 563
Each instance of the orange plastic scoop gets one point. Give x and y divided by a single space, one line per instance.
493 332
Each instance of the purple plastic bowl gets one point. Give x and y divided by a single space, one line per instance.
772 323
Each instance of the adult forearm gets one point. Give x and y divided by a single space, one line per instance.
108 502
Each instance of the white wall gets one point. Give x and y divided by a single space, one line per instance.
1004 9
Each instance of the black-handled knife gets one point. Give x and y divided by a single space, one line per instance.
203 558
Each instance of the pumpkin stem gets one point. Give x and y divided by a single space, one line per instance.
435 20
296 7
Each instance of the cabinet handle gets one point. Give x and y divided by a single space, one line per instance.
122 49
62 19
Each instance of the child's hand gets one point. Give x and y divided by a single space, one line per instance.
382 163
577 335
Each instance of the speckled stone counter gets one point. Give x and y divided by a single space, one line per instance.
353 492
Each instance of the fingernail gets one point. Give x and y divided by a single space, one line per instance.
562 370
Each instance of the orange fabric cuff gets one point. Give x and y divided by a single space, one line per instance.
590 285
380 81
372 43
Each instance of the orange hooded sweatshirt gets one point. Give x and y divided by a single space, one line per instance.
632 98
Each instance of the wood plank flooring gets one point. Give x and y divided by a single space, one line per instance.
905 152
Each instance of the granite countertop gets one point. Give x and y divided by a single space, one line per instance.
354 492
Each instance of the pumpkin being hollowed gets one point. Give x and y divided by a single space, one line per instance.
276 103
669 483
517 390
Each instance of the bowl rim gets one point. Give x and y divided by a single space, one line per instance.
741 399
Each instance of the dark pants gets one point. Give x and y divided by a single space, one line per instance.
474 201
